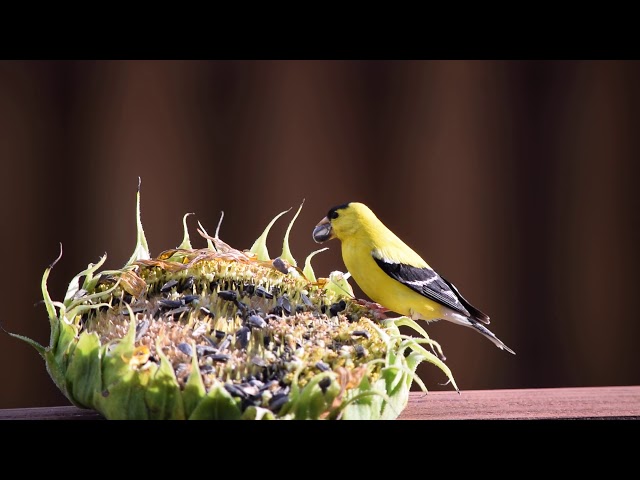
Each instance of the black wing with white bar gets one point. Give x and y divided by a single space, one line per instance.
427 282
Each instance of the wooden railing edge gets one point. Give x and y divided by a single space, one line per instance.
618 402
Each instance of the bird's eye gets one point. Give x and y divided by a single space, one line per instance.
333 215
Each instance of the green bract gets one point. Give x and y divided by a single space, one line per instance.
219 333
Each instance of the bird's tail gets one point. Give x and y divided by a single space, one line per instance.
489 334
478 326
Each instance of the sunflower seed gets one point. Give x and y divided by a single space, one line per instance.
306 300
204 350
279 265
278 401
242 306
256 321
141 329
166 303
126 298
256 383
323 367
270 385
187 299
185 348
361 333
219 357
225 343
228 295
187 284
262 292
324 384
242 337
168 286
235 390
284 302
79 294
201 330
337 308
259 361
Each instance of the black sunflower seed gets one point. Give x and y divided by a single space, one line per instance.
242 337
126 298
306 300
168 286
256 321
187 299
249 390
337 308
323 367
141 329
249 289
225 343
228 295
256 383
278 401
262 292
259 361
187 284
324 384
361 333
204 350
235 390
185 348
206 369
219 357
279 265
206 311
80 293
220 334
182 368
166 303
269 385
284 302
359 351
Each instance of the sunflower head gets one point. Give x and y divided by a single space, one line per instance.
222 333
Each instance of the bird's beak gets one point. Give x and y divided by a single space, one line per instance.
323 231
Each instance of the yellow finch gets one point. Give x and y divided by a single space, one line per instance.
390 273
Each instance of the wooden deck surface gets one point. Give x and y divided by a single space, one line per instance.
545 403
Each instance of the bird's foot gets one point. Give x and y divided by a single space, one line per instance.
378 310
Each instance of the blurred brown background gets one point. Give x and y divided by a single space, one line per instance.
515 179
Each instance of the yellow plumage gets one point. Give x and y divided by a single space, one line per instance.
390 273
